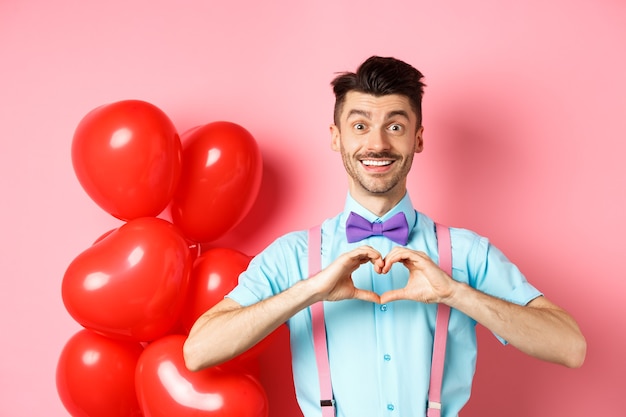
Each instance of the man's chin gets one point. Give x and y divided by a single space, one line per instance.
379 189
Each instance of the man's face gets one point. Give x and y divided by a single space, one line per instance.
377 138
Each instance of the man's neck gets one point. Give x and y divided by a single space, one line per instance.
379 204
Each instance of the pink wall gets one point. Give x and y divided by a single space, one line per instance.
525 114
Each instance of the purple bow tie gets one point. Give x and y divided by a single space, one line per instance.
396 228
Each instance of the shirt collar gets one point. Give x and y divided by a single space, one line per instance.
405 206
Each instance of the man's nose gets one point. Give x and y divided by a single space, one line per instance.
378 140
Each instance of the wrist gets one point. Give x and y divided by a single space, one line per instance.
307 291
455 294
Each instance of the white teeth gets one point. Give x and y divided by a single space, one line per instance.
376 163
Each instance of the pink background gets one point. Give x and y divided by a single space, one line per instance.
525 114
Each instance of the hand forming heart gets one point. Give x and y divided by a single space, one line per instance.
427 282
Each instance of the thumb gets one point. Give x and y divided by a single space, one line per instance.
392 295
366 295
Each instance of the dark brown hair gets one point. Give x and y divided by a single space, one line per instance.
381 76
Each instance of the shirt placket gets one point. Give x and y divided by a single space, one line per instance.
386 360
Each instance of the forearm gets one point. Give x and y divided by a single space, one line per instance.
229 329
540 329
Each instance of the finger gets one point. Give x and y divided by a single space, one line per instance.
393 295
367 254
400 255
406 256
379 264
373 253
366 295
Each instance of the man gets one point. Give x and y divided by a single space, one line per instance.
380 297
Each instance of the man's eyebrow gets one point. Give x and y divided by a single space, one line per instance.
357 112
367 115
394 113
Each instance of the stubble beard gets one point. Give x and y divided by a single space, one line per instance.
372 183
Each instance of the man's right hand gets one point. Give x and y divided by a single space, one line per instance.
334 283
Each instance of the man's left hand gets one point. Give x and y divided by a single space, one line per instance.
427 282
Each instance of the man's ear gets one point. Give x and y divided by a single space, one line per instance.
419 139
335 138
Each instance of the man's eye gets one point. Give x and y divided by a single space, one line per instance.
359 126
395 128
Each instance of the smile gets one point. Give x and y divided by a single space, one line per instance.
376 163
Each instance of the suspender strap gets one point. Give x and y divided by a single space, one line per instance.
441 327
319 329
327 402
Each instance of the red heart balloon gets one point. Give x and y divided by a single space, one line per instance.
132 283
166 388
220 179
127 157
215 273
95 376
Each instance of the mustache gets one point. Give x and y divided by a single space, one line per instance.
378 155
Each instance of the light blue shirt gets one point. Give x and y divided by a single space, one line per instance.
380 355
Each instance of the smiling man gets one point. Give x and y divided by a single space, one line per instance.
366 330
377 140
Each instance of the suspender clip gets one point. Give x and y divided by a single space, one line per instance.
434 404
327 403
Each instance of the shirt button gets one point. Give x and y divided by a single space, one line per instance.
390 407
387 357
383 307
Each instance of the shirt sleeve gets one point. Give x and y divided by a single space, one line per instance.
272 271
491 272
